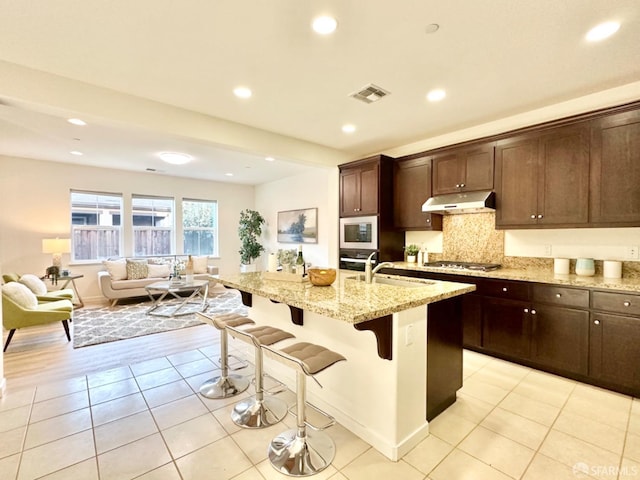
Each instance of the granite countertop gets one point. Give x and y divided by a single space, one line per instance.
347 299
536 275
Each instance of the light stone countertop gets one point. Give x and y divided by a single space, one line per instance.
347 299
538 276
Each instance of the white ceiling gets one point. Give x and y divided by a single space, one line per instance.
495 58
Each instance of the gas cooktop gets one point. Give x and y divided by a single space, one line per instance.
483 267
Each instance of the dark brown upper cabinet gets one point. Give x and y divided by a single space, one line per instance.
359 190
542 179
615 170
411 188
466 169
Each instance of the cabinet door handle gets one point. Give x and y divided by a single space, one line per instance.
596 322
526 310
504 289
627 304
462 185
533 312
558 295
428 220
540 215
457 185
533 215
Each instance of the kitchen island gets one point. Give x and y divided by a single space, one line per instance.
402 341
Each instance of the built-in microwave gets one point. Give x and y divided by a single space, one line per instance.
359 232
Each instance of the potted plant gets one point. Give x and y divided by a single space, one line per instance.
249 229
412 250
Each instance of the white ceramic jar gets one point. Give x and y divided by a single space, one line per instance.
585 267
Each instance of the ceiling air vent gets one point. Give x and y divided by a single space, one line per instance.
370 93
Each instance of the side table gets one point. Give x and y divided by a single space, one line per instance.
70 279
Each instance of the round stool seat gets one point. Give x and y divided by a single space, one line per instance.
225 385
258 411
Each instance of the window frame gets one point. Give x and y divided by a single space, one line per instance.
214 230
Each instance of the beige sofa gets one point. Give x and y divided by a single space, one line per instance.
116 285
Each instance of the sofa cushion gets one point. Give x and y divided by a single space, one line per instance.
200 264
137 269
130 284
20 294
117 268
158 270
33 283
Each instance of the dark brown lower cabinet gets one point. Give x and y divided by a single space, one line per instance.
506 327
614 353
560 338
472 320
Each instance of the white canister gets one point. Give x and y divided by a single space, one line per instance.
585 267
561 266
612 269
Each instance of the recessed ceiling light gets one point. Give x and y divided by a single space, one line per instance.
270 159
229 174
242 92
348 128
76 152
77 121
324 25
436 95
175 158
602 31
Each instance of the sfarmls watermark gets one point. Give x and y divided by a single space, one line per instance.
608 470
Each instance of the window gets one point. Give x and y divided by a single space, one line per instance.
200 227
96 228
153 225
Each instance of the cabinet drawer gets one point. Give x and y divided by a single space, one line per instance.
567 297
504 289
625 303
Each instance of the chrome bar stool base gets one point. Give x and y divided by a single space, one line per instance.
254 413
224 387
298 456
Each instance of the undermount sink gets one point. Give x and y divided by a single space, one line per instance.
396 282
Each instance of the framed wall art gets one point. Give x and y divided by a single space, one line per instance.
298 226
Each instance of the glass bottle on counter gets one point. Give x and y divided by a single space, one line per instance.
300 265
189 269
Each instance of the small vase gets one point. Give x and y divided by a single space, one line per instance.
585 267
411 258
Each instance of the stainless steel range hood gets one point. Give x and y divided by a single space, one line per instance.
471 202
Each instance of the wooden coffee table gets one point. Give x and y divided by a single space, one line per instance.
196 288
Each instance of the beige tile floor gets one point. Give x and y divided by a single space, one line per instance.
146 421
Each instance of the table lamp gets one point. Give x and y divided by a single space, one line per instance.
56 246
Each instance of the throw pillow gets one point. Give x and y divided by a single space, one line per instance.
137 269
20 294
33 283
117 269
158 271
200 264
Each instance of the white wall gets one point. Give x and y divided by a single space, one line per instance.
36 205
316 189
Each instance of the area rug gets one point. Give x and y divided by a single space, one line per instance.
92 326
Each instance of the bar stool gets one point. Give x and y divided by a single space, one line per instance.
258 411
225 385
298 452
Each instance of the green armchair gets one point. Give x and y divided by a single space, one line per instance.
20 308
38 287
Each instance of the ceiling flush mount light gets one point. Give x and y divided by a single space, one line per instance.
602 31
270 159
348 128
242 92
324 25
76 153
175 158
432 28
77 121
436 95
